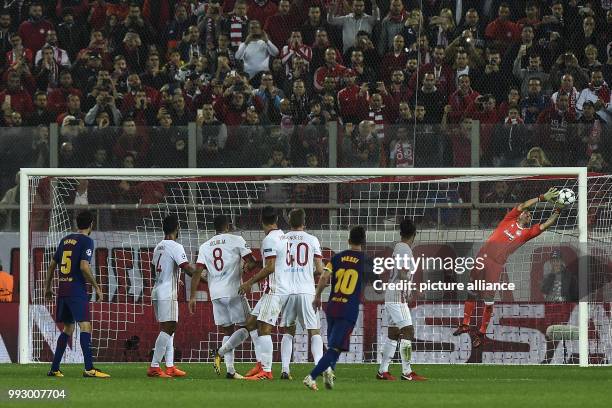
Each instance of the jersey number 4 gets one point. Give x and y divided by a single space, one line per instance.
301 254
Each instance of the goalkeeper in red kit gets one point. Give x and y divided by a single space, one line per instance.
511 233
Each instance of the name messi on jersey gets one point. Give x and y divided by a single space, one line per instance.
217 242
350 259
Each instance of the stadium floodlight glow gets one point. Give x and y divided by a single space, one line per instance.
244 187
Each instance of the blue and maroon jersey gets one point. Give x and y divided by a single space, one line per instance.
73 249
348 280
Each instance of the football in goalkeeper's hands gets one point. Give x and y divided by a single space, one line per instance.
566 196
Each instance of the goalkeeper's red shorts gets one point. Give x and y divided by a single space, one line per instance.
491 273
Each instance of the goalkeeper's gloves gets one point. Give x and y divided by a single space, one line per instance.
550 195
559 207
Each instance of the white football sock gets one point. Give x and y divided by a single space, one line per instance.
406 354
265 352
316 347
160 348
228 356
286 351
170 352
388 352
254 338
234 340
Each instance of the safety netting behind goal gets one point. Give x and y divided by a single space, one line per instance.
536 322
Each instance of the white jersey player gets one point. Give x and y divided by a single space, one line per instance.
397 312
221 256
168 259
263 344
291 290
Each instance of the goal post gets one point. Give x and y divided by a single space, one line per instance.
333 176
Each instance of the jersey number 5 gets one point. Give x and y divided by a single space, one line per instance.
346 281
66 264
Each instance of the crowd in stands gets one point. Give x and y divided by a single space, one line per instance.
404 80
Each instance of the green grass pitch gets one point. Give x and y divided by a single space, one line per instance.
449 386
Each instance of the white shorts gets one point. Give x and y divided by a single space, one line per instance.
398 315
298 309
255 310
230 310
270 307
166 310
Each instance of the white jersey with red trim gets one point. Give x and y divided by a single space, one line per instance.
221 256
168 258
271 247
299 249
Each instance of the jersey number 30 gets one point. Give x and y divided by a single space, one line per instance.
346 281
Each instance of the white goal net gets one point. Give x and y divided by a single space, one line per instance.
536 323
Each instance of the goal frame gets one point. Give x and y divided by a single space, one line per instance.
24 344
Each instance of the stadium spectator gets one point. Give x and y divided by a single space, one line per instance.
597 92
213 136
395 59
47 70
392 26
10 197
460 137
534 70
256 50
105 101
5 35
362 147
430 97
559 284
41 114
459 101
15 97
331 68
558 138
176 28
280 25
534 102
34 30
401 147
443 73
354 22
567 64
567 88
73 108
313 24
72 36
510 140
60 55
260 10
365 73
133 142
58 96
295 47
472 23
512 101
500 194
380 110
491 79
319 47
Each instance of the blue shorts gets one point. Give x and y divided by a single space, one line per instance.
339 333
72 309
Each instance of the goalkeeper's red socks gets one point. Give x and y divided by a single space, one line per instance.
486 318
468 311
